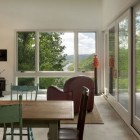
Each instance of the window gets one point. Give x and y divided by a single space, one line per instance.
86 50
50 58
56 51
26 51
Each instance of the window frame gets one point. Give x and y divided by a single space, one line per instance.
42 74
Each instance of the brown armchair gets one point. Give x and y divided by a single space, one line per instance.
72 91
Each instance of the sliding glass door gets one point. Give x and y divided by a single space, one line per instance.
119 62
123 62
136 70
112 58
124 66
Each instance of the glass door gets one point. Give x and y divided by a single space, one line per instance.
119 66
112 58
123 58
106 66
136 70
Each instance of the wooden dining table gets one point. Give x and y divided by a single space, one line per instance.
42 114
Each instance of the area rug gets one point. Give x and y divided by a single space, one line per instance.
91 118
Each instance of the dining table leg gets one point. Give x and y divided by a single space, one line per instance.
53 130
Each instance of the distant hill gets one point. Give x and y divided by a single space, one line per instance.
81 57
85 62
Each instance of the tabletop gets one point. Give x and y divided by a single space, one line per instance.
45 110
42 114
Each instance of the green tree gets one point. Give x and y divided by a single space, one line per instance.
51 52
86 64
137 51
51 56
26 51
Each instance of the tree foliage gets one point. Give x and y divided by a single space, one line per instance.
26 51
51 52
51 56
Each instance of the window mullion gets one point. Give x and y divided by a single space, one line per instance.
37 52
76 51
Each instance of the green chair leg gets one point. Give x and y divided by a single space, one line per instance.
12 132
4 133
28 132
31 133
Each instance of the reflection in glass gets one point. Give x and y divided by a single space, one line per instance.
137 62
111 61
123 63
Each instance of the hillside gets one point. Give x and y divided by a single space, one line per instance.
85 62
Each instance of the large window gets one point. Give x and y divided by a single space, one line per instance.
50 58
56 51
86 50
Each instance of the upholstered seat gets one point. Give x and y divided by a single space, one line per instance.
72 91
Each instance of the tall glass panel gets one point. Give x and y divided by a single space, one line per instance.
56 51
112 61
137 64
86 50
123 63
26 51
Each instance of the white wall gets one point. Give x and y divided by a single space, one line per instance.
52 15
43 14
113 8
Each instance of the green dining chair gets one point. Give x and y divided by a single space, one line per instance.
11 115
29 93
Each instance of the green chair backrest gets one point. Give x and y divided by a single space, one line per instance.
27 92
11 113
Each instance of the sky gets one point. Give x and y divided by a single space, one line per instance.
86 42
